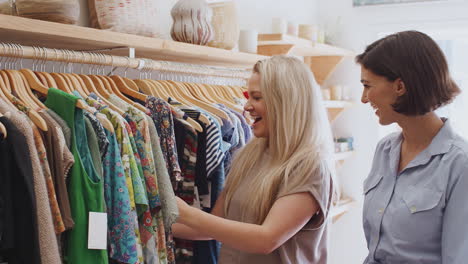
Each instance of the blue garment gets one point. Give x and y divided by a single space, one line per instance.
418 215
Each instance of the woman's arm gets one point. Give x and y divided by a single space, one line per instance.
286 217
455 225
185 232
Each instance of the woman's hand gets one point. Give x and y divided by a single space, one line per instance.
185 211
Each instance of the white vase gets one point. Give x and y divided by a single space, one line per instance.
192 22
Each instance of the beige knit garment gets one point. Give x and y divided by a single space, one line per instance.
47 240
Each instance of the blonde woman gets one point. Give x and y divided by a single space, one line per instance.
274 207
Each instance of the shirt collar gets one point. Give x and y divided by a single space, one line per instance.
440 144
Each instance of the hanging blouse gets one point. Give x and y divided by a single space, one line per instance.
85 190
139 125
60 160
122 238
162 116
137 193
41 151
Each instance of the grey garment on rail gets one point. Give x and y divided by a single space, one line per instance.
166 193
418 215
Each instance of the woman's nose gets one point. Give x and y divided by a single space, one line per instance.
248 106
364 99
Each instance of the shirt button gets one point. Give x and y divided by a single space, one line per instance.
380 210
413 209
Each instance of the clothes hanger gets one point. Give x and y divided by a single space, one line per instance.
227 93
32 114
95 85
131 84
123 97
18 89
37 86
179 87
42 79
3 92
29 92
159 88
123 87
3 130
224 99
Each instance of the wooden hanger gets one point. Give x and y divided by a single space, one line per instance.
50 80
3 130
74 84
207 107
123 87
32 114
4 91
92 82
147 85
37 86
146 88
28 90
82 84
6 81
165 92
123 97
62 84
42 79
19 90
227 93
224 99
131 84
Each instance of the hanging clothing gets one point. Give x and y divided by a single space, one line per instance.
122 238
85 189
161 114
18 211
137 195
60 160
139 125
48 245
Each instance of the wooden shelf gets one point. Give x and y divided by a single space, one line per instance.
321 58
342 207
339 156
55 35
334 108
270 44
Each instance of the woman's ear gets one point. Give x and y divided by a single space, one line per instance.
400 87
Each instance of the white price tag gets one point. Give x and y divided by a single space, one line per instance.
97 231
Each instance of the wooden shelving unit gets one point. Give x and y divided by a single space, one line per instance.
341 156
55 35
342 207
322 58
334 108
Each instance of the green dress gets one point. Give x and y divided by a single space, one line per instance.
85 186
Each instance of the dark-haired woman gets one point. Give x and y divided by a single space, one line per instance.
416 193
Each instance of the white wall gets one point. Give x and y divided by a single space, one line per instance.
358 27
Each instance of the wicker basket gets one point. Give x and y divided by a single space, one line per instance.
225 24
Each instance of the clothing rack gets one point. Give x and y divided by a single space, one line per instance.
141 64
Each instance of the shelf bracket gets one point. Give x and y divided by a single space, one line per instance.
270 50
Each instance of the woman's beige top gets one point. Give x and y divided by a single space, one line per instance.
308 246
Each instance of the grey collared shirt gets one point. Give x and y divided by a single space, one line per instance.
419 215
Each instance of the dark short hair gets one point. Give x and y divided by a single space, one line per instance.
418 61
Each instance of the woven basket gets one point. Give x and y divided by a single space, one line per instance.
225 25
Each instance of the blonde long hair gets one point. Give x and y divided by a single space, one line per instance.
299 143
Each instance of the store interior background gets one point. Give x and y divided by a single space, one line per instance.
353 28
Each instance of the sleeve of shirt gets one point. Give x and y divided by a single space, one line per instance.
455 224
319 187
